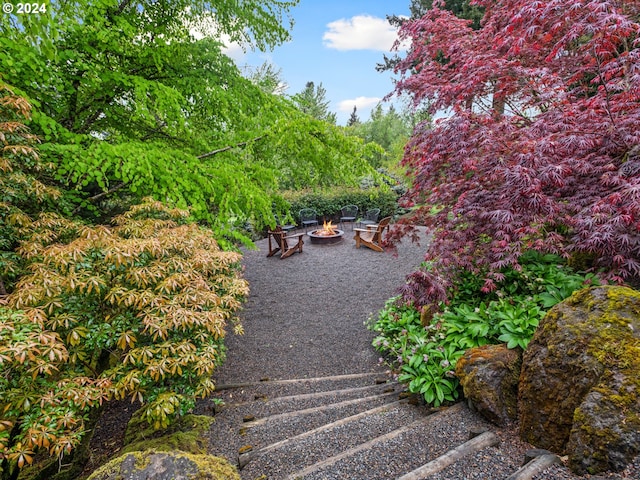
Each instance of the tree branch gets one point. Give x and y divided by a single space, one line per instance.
122 6
229 147
103 194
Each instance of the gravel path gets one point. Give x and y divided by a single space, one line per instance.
305 314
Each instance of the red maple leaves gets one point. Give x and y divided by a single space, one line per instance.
539 146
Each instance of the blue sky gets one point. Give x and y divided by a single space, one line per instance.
337 43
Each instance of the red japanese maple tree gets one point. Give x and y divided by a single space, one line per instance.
540 144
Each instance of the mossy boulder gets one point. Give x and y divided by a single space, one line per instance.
153 465
489 378
177 453
579 391
187 434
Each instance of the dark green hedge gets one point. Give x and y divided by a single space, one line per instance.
329 201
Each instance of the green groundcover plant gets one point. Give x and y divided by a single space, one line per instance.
423 346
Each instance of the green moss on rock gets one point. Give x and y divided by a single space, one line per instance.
188 434
489 377
176 465
580 382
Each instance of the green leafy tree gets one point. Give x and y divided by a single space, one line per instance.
387 128
130 105
312 101
390 130
268 78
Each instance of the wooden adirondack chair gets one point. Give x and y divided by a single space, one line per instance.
287 245
372 235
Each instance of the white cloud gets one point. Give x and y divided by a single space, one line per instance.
361 103
208 27
233 50
362 32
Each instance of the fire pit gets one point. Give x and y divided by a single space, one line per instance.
327 235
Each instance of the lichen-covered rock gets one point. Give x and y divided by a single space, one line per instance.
152 465
579 390
489 378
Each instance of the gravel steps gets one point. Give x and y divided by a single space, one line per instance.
270 389
282 458
349 427
256 414
263 407
400 454
278 428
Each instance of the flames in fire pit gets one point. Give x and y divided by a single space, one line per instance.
327 230
327 235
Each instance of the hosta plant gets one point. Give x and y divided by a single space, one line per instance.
424 349
420 355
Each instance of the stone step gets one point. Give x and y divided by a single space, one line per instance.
284 457
263 406
326 463
314 410
246 400
394 455
243 392
276 428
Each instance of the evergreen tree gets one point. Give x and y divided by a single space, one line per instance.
460 8
312 101
353 119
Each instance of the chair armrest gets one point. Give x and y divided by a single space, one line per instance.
295 235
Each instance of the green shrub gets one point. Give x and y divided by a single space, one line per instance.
138 310
329 201
420 354
425 352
